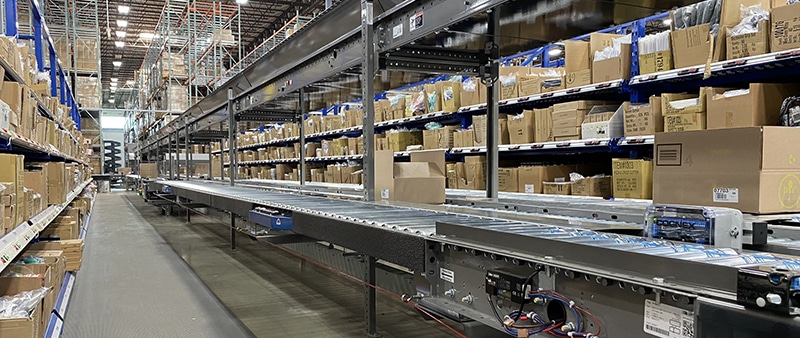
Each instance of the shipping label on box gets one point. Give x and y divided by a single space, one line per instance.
785 28
749 44
641 120
632 178
684 122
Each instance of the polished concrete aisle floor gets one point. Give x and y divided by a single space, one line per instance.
271 293
132 284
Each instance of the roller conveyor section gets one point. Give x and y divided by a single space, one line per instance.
421 222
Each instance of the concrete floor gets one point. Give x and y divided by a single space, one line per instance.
146 275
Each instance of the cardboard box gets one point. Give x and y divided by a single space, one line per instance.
508 179
577 56
785 27
473 92
422 180
471 174
632 178
12 95
451 95
655 62
579 78
401 140
30 327
599 41
557 188
614 68
531 177
684 122
691 46
749 44
148 170
433 98
35 177
750 169
598 186
463 138
759 107
521 128
543 125
479 125
645 119
12 170
670 106
528 85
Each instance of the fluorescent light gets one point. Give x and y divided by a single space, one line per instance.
110 100
122 23
147 36
117 63
241 2
130 82
114 79
119 44
121 34
667 22
124 9
113 89
554 52
114 85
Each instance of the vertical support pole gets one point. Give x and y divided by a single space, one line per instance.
186 145
158 163
368 96
210 164
328 4
169 156
11 17
493 109
371 312
302 155
233 231
233 169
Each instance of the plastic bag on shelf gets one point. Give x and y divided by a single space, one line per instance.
574 177
752 16
612 51
18 270
21 305
654 43
418 103
470 84
432 98
433 125
790 112
706 12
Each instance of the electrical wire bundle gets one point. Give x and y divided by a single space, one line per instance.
535 324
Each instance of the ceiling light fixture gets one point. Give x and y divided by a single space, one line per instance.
122 23
667 22
241 2
117 64
114 79
124 9
130 82
119 44
121 34
110 100
554 52
147 36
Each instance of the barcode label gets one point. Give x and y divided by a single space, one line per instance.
657 329
668 155
529 189
667 321
385 194
726 195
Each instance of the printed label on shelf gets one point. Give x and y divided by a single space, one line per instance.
385 193
726 195
667 321
447 275
57 328
415 21
397 31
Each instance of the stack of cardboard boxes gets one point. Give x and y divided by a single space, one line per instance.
73 253
567 119
12 175
8 202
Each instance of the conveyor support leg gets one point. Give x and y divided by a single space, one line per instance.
233 231
371 311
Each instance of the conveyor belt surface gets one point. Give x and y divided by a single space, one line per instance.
417 221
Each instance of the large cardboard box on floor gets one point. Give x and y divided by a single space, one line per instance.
632 178
785 27
30 327
751 169
422 180
643 119
759 105
531 177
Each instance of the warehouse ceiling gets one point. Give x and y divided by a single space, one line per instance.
259 19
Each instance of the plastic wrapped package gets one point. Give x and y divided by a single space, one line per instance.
21 305
432 99
654 43
752 16
418 103
706 12
790 112
470 84
18 270
433 125
612 51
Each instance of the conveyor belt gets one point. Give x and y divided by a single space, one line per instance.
422 222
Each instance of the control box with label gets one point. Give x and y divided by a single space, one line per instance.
769 289
721 227
508 284
271 219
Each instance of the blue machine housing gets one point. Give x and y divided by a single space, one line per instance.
273 221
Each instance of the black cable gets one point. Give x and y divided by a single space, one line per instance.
524 290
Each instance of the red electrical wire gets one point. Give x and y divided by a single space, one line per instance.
377 288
